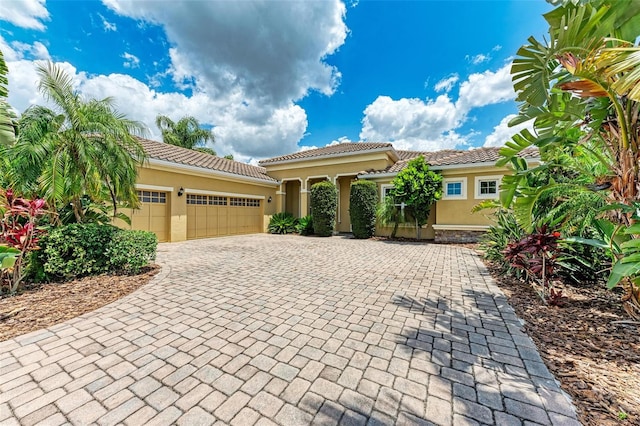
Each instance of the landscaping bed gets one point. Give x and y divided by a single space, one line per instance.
590 345
43 305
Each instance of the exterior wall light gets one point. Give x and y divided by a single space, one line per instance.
269 199
180 192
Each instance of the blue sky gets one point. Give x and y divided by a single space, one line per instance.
272 77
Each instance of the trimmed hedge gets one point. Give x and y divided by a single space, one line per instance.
324 202
78 250
363 200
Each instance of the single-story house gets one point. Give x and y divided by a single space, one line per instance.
186 194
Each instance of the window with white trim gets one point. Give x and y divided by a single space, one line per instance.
152 197
385 190
454 188
487 187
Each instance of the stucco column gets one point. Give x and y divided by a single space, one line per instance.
304 202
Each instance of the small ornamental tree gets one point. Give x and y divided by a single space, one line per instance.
324 202
362 208
418 188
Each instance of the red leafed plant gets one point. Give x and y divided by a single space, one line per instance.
536 254
19 234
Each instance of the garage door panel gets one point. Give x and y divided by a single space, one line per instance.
152 214
211 216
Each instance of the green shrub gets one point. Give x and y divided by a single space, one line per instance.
324 202
282 223
363 200
129 251
305 225
78 250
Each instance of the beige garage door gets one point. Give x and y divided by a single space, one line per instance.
152 215
214 215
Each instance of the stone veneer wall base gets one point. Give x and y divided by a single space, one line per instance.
457 236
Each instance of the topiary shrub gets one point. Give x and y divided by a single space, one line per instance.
305 225
324 202
78 250
282 223
363 200
129 251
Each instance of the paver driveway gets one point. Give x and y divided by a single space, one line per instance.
290 330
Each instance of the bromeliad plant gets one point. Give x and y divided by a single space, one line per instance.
19 235
537 255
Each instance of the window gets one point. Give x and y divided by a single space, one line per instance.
454 188
197 199
487 187
385 190
217 201
152 197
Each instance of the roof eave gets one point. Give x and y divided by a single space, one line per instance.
325 156
219 173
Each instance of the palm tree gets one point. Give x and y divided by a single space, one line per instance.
7 118
79 149
185 133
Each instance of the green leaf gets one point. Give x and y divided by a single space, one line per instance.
621 271
588 241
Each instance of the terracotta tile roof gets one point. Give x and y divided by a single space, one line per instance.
176 154
452 157
338 149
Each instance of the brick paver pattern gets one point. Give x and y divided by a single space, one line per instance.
289 330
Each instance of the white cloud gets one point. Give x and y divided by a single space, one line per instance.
130 61
249 62
276 131
341 139
502 132
272 51
487 88
36 50
25 13
478 59
433 124
447 83
108 26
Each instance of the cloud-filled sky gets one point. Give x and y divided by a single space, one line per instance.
271 76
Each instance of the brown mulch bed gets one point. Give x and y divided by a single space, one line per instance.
590 344
40 306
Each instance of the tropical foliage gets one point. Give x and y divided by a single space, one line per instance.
81 149
7 118
19 235
282 223
363 200
186 133
305 225
580 90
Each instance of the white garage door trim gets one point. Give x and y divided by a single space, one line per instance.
144 187
222 194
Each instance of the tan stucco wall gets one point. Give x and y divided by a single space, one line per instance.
200 181
328 168
458 212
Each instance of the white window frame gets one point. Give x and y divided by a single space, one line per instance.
383 187
463 189
478 179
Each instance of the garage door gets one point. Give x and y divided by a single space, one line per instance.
214 215
152 215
